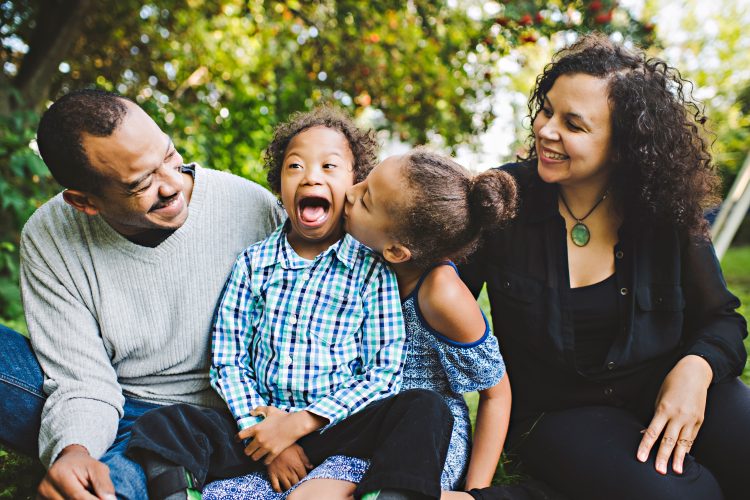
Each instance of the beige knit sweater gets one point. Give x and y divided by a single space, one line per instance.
109 318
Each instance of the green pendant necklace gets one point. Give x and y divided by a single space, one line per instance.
580 234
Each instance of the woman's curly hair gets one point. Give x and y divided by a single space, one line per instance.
363 143
663 171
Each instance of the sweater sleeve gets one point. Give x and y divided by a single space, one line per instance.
715 329
84 400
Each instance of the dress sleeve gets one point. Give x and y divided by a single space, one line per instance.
471 367
715 330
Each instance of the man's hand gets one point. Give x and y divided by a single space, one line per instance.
75 474
680 407
277 432
288 468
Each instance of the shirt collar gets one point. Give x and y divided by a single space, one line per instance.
539 197
277 250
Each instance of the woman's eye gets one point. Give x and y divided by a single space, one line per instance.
547 112
573 126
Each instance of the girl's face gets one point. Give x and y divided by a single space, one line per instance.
366 216
318 168
573 132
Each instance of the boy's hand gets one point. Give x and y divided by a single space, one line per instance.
277 432
288 468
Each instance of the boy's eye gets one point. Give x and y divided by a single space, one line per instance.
294 165
329 165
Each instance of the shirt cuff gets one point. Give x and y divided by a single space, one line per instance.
249 421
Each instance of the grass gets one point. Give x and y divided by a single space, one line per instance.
20 475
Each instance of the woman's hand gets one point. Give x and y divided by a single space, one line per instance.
680 407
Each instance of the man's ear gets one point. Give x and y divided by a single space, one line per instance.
396 253
80 201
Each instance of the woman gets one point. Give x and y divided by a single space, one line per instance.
620 335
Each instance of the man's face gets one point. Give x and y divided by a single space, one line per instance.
143 191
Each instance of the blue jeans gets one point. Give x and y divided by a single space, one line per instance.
21 402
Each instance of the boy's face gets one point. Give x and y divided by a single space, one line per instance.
366 215
318 168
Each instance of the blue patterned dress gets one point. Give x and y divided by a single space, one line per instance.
433 361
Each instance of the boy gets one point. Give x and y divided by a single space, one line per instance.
308 336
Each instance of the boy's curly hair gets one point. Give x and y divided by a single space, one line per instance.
363 143
663 171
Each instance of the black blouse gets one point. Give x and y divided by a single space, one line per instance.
672 301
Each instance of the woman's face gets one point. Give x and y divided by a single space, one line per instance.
573 132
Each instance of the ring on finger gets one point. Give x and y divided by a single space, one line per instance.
668 440
687 443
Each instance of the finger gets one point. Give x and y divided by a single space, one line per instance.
251 448
47 492
71 486
305 460
300 470
286 482
668 442
246 433
270 457
259 453
650 436
275 483
101 483
682 448
259 411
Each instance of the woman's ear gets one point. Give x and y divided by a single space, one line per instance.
396 253
80 201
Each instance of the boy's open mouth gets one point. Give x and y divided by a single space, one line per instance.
312 211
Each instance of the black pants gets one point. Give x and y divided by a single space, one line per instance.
406 437
589 453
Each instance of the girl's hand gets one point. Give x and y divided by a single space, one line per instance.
277 432
288 468
680 407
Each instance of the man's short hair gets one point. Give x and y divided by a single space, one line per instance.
60 134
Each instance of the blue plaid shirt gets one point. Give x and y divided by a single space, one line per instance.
325 335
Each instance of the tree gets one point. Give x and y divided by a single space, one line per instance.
219 75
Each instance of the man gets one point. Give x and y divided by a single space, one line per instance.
120 274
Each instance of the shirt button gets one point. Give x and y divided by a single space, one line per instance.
619 254
611 365
608 391
623 291
293 319
305 276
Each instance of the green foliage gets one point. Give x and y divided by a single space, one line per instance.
25 183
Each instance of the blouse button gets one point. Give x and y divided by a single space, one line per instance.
623 291
619 254
506 284
608 391
611 365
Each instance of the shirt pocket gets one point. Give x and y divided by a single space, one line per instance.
659 322
336 319
659 297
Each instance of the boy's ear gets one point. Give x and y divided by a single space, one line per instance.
80 201
396 253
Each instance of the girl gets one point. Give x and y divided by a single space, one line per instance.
449 344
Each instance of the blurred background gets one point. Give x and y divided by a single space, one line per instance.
218 75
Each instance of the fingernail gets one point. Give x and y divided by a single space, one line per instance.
642 456
110 497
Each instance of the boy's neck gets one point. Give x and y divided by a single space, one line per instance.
308 249
407 276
